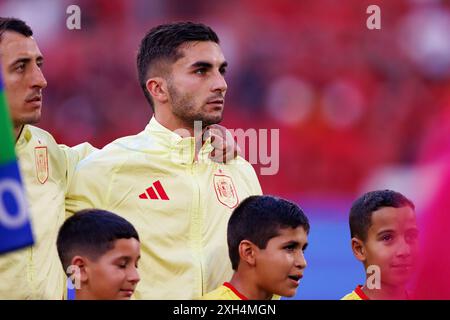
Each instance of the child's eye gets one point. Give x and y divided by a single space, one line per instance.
290 248
411 237
387 237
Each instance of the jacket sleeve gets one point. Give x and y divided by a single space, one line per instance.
89 186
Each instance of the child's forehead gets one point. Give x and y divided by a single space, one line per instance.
296 234
124 247
397 218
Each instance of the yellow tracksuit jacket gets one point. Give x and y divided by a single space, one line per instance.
179 206
46 168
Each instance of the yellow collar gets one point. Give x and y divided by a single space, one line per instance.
183 148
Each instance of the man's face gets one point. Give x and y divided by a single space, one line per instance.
21 63
281 264
114 275
392 244
196 84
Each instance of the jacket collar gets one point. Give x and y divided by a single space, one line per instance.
24 136
181 148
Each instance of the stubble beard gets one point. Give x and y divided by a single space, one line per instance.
184 107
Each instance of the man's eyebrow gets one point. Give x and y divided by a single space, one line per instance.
26 60
201 64
204 64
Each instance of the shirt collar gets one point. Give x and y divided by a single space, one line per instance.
24 137
185 147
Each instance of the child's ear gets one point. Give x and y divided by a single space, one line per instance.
247 252
358 249
79 266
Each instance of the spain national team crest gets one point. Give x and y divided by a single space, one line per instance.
41 158
225 190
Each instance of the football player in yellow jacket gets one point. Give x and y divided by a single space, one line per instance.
162 179
384 235
46 169
267 237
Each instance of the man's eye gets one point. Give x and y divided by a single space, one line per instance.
200 71
20 67
223 71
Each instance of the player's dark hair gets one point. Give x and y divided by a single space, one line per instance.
161 44
260 218
91 233
360 218
16 25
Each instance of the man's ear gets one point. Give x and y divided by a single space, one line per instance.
81 267
157 88
247 252
359 251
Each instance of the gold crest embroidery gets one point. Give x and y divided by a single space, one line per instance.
225 190
41 158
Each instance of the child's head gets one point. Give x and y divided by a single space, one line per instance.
384 234
267 237
103 250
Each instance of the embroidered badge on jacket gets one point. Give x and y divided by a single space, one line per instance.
41 158
225 190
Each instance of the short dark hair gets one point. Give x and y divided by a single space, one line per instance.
16 25
161 44
259 219
360 218
91 233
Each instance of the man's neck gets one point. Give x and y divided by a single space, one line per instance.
175 125
386 292
17 131
182 128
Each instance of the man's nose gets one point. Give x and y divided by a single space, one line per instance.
38 79
219 84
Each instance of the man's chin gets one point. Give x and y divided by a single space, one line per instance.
207 121
35 119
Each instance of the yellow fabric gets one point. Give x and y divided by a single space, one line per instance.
352 296
36 272
221 293
184 251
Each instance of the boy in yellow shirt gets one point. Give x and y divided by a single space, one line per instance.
267 237
384 238
100 251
